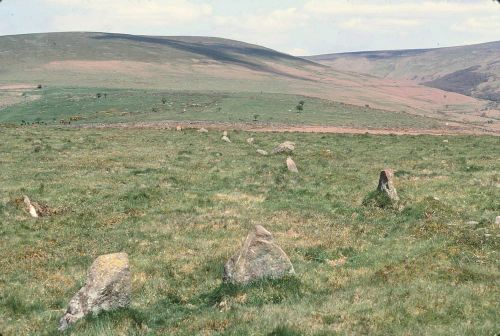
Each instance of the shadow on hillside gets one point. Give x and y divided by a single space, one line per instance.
225 53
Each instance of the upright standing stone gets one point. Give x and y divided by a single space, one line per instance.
178 128
386 184
224 133
108 287
30 207
291 165
259 258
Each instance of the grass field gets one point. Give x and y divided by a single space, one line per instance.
181 203
115 105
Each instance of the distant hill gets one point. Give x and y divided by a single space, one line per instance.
180 63
70 51
472 70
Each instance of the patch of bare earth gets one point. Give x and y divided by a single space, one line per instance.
11 94
451 129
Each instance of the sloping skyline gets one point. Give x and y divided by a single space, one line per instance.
298 27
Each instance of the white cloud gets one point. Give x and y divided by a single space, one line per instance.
298 52
488 25
378 25
92 14
280 20
343 7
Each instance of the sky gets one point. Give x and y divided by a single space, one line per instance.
298 27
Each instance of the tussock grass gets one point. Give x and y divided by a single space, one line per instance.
181 203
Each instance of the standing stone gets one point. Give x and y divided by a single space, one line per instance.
225 138
291 165
259 258
250 141
224 133
178 128
30 207
261 152
386 184
497 220
108 287
285 147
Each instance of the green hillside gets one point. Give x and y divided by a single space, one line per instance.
96 62
471 70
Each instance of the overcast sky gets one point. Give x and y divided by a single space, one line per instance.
299 27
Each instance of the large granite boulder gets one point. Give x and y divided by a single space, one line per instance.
386 184
258 258
108 286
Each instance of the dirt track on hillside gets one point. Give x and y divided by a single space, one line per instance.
250 127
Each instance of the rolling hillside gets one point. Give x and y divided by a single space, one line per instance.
202 64
472 70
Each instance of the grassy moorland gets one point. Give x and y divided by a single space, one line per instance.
82 106
180 204
201 64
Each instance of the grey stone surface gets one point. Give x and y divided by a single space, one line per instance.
108 286
386 184
259 257
285 147
291 165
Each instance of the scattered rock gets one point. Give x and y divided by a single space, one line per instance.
497 220
386 184
291 165
108 286
31 208
445 141
285 147
37 209
178 128
259 258
472 223
250 141
225 138
203 130
261 152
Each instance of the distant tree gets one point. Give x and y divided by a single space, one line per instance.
39 86
255 117
300 106
164 100
98 95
